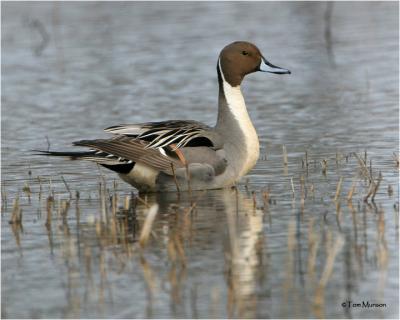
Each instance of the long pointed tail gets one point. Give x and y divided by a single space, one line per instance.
105 159
91 155
73 155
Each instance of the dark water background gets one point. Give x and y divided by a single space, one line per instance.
71 69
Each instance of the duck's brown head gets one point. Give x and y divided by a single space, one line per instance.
240 58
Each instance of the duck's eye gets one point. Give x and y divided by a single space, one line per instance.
245 53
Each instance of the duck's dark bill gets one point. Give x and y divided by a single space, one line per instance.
266 66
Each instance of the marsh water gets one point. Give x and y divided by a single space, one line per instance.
291 240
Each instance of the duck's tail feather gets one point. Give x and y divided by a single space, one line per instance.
102 158
73 155
91 155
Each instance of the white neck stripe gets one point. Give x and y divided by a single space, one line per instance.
220 70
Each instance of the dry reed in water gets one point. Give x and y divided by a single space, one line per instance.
351 192
148 223
338 189
16 216
324 164
143 201
27 190
337 158
246 184
40 186
396 158
285 157
266 198
306 159
390 190
190 209
338 212
3 196
303 193
373 189
312 190
49 206
188 178
377 186
175 179
126 202
103 204
67 187
364 170
292 185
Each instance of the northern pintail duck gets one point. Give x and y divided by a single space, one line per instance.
188 155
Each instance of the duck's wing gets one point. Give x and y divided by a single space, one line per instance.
126 150
173 132
164 146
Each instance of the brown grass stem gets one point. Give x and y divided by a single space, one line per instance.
143 201
351 192
16 215
188 178
174 175
190 209
364 169
338 189
378 183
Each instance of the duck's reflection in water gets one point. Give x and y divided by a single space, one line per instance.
244 253
181 259
242 241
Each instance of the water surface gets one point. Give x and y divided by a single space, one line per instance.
279 245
